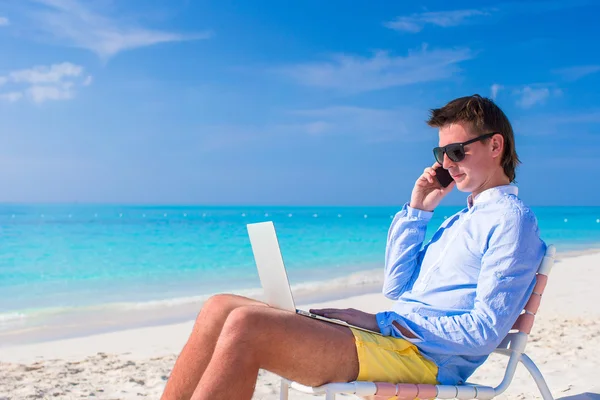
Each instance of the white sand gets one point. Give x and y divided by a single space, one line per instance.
565 344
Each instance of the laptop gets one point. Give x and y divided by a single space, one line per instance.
272 273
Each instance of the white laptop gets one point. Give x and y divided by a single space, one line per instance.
273 275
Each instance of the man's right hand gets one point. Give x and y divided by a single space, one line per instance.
428 192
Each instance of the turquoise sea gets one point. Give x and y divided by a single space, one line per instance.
73 269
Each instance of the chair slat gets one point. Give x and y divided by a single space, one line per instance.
446 391
407 391
533 304
524 323
540 283
466 392
427 391
385 389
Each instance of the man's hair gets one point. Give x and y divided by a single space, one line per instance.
484 116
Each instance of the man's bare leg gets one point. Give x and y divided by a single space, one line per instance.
299 348
198 350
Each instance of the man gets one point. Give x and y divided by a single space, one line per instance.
456 297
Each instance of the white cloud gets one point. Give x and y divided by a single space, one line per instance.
357 124
405 24
368 124
88 80
318 127
530 96
555 123
75 23
4 21
46 74
43 83
416 22
11 97
591 117
495 89
577 72
350 73
39 94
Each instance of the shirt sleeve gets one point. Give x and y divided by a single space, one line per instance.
402 253
506 280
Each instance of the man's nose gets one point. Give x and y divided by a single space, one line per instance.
448 163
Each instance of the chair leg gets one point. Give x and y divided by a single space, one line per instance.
537 377
284 390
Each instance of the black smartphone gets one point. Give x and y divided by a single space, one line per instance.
443 176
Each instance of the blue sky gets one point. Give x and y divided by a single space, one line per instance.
270 102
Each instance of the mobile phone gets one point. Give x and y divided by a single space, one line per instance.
443 176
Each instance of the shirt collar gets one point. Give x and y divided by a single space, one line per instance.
491 193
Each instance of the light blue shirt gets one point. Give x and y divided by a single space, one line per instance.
461 293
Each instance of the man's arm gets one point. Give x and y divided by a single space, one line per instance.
505 282
402 253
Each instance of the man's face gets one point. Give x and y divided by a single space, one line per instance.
477 168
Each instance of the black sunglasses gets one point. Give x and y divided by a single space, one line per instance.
456 151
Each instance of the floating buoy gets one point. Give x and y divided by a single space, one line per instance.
289 215
165 214
266 214
315 215
566 220
120 215
365 216
184 214
143 215
243 214
339 215
598 221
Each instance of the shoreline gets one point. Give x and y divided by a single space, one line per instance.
74 322
78 322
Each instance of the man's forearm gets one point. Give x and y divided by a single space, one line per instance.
405 332
405 239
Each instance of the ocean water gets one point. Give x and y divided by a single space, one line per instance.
88 265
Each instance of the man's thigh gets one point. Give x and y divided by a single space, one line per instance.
295 347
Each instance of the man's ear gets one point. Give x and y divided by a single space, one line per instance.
497 145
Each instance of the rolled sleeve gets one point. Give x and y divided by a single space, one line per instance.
416 214
386 320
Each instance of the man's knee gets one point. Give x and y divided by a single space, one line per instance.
219 304
241 321
242 328
216 302
214 310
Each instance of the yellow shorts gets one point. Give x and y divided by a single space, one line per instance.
393 360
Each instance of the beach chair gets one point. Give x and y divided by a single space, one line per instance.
512 346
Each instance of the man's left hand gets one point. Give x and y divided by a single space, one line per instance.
351 316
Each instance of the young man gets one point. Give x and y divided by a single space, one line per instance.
456 297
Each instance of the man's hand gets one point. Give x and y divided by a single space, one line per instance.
351 316
428 192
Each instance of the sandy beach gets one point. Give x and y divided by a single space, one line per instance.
565 344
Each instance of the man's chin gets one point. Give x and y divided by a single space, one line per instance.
463 186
